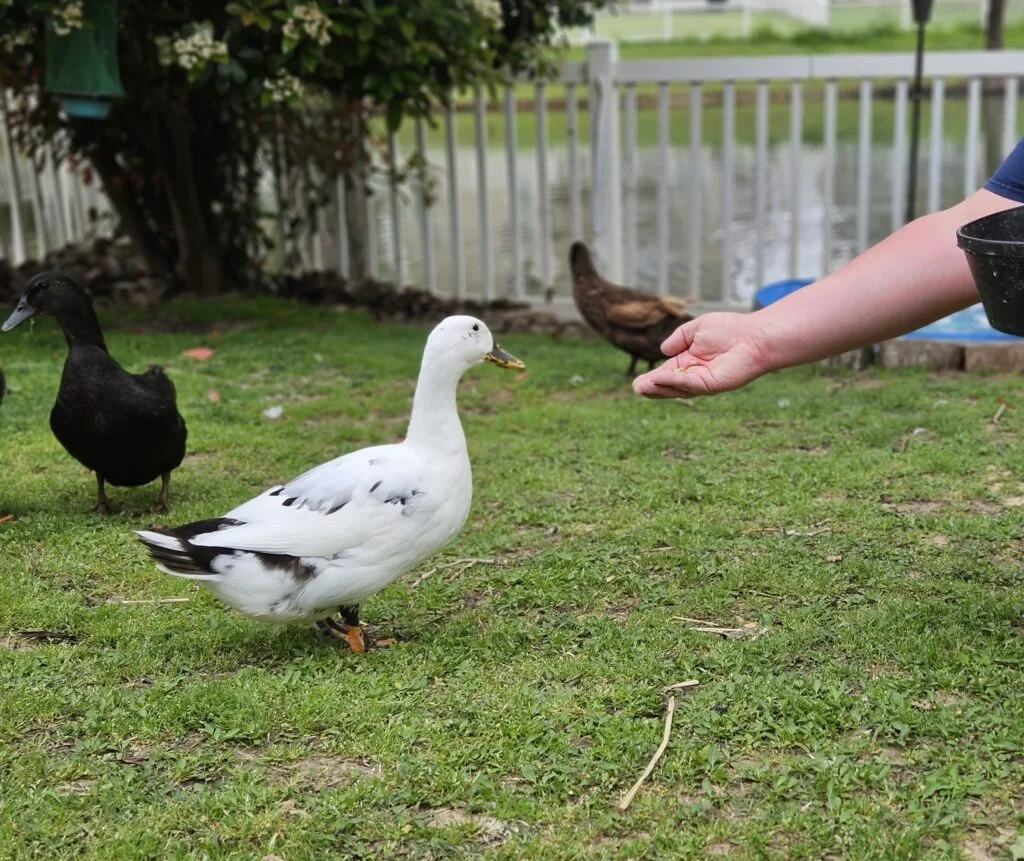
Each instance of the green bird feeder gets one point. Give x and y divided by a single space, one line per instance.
81 66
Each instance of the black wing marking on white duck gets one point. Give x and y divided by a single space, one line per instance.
333 508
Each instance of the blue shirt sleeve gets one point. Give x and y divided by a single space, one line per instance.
1008 180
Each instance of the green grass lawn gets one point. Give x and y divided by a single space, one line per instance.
882 38
858 24
866 528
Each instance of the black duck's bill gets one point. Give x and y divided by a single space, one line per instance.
18 316
503 359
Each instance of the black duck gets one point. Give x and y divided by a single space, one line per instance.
124 427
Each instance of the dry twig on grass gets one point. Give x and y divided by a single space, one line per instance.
462 564
747 629
627 799
128 603
689 683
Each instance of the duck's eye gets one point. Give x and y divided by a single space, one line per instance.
476 327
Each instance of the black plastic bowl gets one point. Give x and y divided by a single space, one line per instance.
994 246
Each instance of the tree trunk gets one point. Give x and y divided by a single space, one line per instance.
199 263
357 226
129 213
992 104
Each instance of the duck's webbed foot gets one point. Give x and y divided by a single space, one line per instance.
347 629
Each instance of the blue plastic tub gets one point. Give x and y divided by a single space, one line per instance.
971 324
777 289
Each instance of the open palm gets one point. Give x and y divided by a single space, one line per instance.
712 353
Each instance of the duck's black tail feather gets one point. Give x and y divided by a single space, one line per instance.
173 552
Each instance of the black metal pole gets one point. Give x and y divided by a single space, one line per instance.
915 127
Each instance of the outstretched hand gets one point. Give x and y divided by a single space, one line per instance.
710 354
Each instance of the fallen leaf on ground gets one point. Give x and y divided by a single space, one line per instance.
200 353
213 395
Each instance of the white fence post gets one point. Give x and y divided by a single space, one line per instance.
606 207
18 252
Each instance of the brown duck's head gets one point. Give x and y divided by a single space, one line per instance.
581 263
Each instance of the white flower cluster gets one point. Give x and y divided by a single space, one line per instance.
17 38
308 17
490 9
191 52
283 88
68 17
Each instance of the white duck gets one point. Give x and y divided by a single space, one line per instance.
344 530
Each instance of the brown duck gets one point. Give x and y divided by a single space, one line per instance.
634 321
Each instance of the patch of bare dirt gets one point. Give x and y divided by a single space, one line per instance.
475 597
603 840
620 612
317 771
489 830
819 449
877 671
80 786
914 508
978 846
869 383
672 453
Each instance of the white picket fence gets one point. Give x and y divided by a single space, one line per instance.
491 234
63 207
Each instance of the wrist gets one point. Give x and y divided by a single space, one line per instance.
768 352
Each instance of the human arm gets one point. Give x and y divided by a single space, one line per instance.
911 278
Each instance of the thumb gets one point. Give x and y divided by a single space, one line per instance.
681 339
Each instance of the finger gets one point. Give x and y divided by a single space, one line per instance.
656 392
681 338
693 380
670 383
